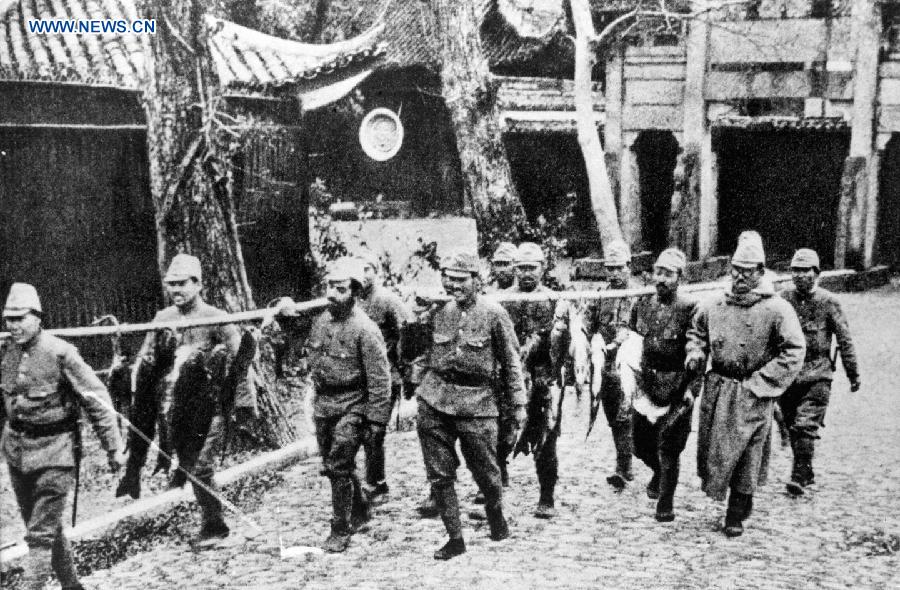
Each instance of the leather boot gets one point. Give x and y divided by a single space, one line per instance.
546 507
361 513
668 481
428 508
63 563
802 471
451 549
739 507
214 526
653 487
448 507
130 484
341 506
621 432
497 522
37 568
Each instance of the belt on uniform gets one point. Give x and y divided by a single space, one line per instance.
355 385
736 375
38 430
464 379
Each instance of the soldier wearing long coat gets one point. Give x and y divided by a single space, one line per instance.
755 346
805 401
45 385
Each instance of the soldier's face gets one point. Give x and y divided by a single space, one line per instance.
804 278
530 275
618 275
460 286
745 279
23 328
504 271
666 281
340 296
183 293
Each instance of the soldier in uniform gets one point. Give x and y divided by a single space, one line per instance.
390 315
805 401
184 283
45 383
503 272
351 375
473 345
533 322
755 346
608 319
663 322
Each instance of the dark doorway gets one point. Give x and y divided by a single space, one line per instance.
547 168
887 246
785 185
656 153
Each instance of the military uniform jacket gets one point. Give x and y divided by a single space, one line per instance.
663 327
46 382
533 322
473 367
349 367
204 338
390 315
608 316
755 339
821 317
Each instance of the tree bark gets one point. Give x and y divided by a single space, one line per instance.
470 94
190 181
602 198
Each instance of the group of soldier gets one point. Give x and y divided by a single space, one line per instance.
485 374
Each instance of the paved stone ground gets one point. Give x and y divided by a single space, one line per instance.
841 536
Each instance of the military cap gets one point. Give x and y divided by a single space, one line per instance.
529 252
505 252
672 259
749 253
750 235
460 262
22 299
617 254
345 269
369 258
805 258
184 267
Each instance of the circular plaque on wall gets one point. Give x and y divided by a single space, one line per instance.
381 134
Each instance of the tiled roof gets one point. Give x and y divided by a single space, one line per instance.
244 59
248 59
105 59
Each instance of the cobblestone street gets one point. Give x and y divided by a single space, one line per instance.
601 539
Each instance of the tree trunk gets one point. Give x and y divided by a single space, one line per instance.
470 94
189 176
602 199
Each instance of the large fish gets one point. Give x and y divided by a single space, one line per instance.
598 361
580 353
628 366
146 384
